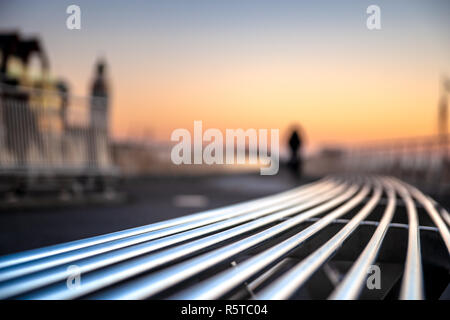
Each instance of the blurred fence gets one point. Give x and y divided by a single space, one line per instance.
423 161
46 130
48 133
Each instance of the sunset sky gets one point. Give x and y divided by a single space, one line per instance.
253 64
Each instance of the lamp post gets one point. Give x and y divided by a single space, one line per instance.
443 126
443 117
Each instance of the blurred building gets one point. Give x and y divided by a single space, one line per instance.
45 131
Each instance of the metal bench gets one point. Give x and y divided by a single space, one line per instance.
316 241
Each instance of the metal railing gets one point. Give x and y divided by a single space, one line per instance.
50 131
423 161
269 248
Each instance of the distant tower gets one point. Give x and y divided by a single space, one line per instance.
63 90
99 98
443 117
98 141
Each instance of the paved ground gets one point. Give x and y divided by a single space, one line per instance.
149 200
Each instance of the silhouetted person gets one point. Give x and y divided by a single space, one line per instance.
295 160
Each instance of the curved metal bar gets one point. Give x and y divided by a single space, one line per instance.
433 213
151 284
412 283
67 257
60 291
102 278
223 283
30 255
353 282
291 281
137 264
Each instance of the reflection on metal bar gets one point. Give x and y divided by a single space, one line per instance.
159 281
266 275
16 286
188 257
352 284
34 266
412 283
227 281
287 285
30 255
433 213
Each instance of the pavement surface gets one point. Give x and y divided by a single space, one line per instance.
148 200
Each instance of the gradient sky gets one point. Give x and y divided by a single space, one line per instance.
253 64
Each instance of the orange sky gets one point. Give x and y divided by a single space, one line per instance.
338 103
256 64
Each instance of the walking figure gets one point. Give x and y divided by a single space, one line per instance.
295 145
